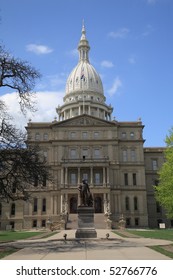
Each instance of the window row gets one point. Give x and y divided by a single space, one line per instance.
128 204
129 155
130 179
35 207
125 135
84 135
74 153
97 178
39 136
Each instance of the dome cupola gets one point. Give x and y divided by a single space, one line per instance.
84 77
84 90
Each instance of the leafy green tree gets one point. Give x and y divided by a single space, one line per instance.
164 190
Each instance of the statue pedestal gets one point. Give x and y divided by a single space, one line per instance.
85 223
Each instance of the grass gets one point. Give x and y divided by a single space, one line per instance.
7 252
166 234
6 236
162 251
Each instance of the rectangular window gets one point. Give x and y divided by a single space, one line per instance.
85 176
84 135
85 152
72 135
125 155
45 136
132 135
134 179
44 180
123 135
133 155
97 178
43 223
128 221
97 153
136 221
73 178
35 205
154 164
34 223
13 209
126 179
96 134
37 136
44 205
73 154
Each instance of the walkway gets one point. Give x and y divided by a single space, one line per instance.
100 248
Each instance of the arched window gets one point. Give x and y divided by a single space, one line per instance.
127 204
135 203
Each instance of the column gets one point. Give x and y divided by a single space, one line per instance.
98 112
89 110
62 176
91 174
70 112
105 203
107 175
62 203
66 203
108 199
51 205
104 177
55 204
66 175
78 176
79 110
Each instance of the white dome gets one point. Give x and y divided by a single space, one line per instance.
84 78
84 90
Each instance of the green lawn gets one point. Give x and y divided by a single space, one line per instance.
16 235
166 234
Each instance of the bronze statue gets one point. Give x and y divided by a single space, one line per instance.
85 194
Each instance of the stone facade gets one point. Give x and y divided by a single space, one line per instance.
110 155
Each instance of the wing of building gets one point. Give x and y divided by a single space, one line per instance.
86 143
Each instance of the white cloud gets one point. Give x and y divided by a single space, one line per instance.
46 104
38 49
116 85
121 33
107 64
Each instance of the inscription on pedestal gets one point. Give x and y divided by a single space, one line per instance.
86 227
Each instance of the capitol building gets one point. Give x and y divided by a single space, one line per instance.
86 142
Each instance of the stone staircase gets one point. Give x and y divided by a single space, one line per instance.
99 221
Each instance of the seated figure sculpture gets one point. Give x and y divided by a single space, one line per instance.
85 194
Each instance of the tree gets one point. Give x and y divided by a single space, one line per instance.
164 190
20 76
21 165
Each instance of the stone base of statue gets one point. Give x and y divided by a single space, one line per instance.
86 227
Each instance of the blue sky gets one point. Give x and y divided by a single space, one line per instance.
131 48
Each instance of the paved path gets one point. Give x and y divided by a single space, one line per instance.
100 248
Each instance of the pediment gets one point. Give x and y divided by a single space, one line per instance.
84 120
